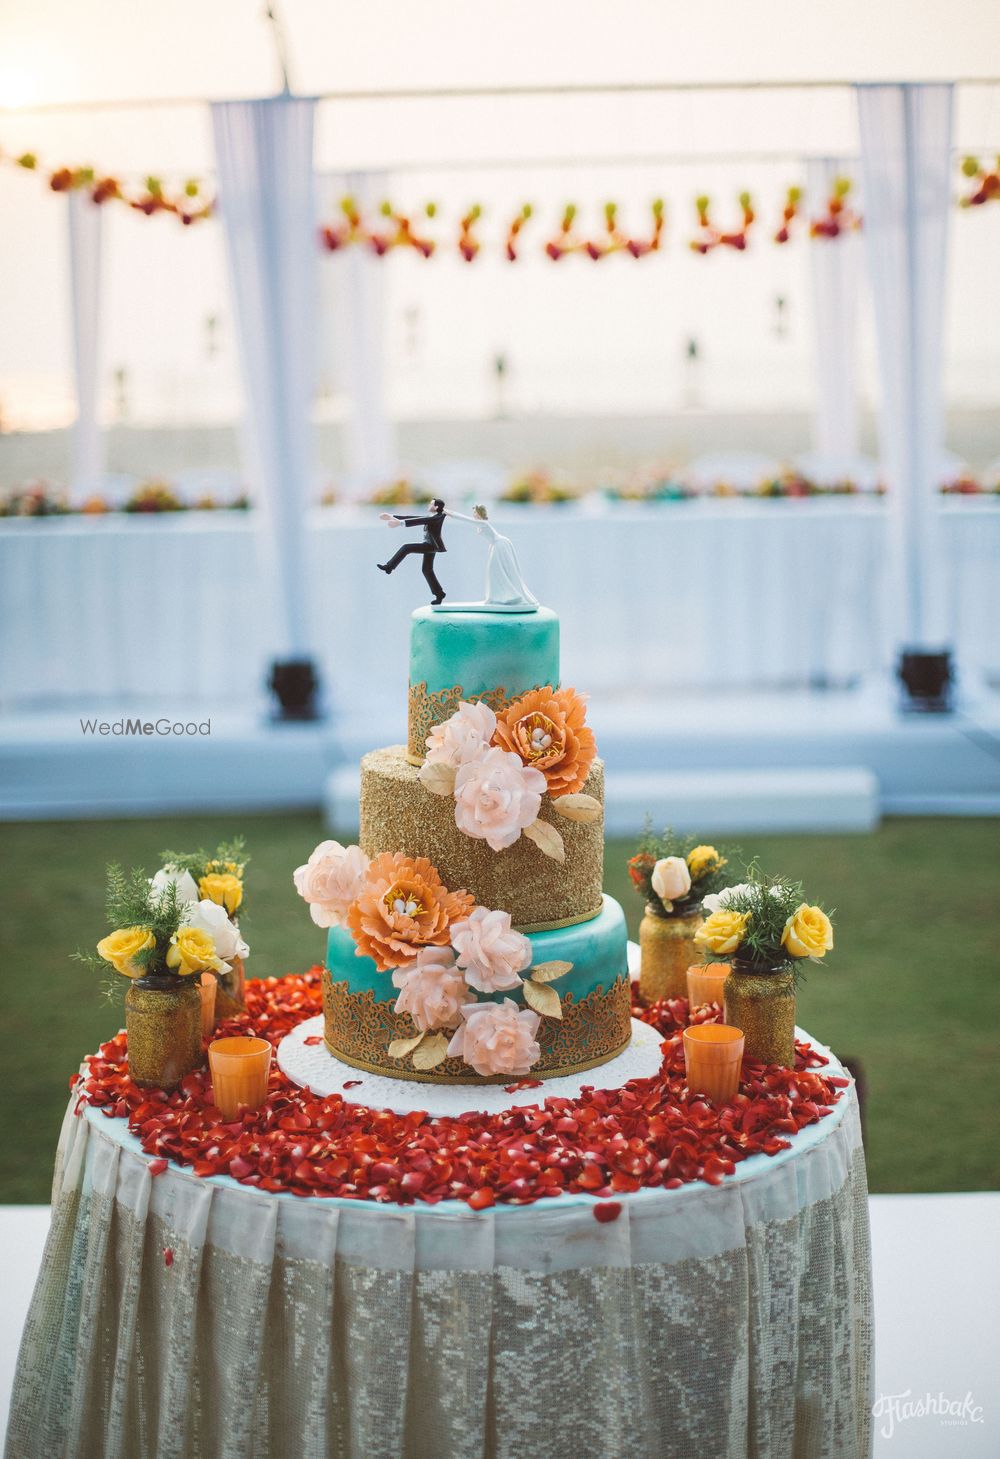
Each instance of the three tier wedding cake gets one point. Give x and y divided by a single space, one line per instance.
469 941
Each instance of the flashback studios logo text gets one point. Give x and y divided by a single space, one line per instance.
127 727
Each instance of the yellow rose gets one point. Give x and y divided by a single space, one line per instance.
192 951
722 931
122 947
808 932
702 859
222 887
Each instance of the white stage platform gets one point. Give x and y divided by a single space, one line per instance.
937 1292
735 761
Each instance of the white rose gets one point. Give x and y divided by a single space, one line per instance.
490 951
671 880
330 881
719 901
465 736
496 797
432 989
212 918
167 876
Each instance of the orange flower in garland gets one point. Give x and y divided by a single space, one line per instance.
548 729
402 907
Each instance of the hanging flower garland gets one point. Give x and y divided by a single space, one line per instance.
566 241
710 237
400 232
987 183
187 203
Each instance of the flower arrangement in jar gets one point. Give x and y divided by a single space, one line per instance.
211 886
673 875
766 930
156 945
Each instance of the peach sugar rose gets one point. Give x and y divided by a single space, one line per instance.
432 989
497 1038
403 906
547 729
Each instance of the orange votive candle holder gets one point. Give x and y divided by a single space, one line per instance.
713 1056
705 983
207 987
240 1070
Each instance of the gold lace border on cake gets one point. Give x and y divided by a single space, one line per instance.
590 1032
427 709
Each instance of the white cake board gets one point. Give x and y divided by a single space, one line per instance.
314 1067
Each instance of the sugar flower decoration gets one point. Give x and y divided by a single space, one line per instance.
497 1038
490 952
402 906
330 881
464 736
432 989
547 729
497 797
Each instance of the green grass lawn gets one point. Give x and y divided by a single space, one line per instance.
912 991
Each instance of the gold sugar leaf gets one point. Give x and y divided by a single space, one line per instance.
438 779
399 1048
542 999
548 972
432 1051
581 807
547 839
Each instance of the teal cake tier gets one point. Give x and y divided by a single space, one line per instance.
360 1021
491 656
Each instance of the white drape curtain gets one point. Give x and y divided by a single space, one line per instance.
906 133
85 248
264 157
835 277
354 292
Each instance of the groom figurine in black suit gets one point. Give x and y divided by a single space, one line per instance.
428 549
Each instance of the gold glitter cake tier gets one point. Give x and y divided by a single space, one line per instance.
399 814
358 1028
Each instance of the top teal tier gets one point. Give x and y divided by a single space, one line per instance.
492 656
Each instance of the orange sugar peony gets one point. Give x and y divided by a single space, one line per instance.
548 729
403 906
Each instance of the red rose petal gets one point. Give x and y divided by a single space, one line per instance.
313 1040
607 1211
605 1142
168 1256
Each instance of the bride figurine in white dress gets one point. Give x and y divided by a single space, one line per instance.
506 591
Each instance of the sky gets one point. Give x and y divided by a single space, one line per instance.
612 336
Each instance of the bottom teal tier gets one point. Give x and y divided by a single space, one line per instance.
361 1022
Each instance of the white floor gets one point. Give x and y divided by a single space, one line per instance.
937 1299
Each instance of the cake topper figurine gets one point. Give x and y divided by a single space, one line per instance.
428 549
506 591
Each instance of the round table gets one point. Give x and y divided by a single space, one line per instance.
178 1316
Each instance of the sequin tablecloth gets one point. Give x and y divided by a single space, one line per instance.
178 1316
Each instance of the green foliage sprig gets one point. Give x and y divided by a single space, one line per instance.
198 862
131 902
653 848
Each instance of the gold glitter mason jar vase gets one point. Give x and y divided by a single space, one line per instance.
163 1024
668 949
761 1002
